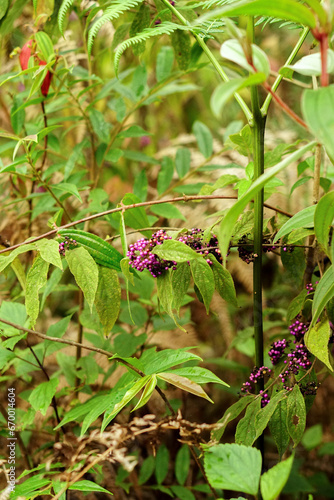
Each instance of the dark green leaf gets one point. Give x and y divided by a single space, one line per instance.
146 470
180 283
85 485
278 427
161 463
182 48
323 294
323 219
296 305
36 279
182 464
223 282
296 415
246 428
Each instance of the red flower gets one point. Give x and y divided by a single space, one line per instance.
25 55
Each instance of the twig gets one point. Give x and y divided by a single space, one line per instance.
184 198
90 348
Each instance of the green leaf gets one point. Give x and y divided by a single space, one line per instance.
147 392
182 464
85 271
133 131
289 10
298 234
66 187
311 65
140 185
130 394
168 211
316 340
323 219
41 397
246 428
146 470
17 117
182 162
273 481
181 44
233 51
36 279
180 281
45 45
316 108
108 298
294 263
264 415
161 463
139 23
230 414
223 282
323 294
165 59
29 487
49 251
278 427
156 362
302 219
135 217
199 375
182 493
233 467
204 138
296 415
313 437
224 91
100 126
165 175
185 384
203 279
296 305
176 251
3 8
224 180
6 260
226 228
85 485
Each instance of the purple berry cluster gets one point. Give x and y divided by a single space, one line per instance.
141 256
310 288
256 375
297 359
66 244
309 389
278 350
298 329
246 250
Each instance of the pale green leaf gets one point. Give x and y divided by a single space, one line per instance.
274 480
5 260
233 467
199 375
323 294
204 138
108 298
185 384
323 219
296 414
85 485
36 279
317 108
311 65
302 219
147 392
49 251
316 341
233 51
85 271
176 251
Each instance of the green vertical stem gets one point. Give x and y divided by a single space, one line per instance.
258 128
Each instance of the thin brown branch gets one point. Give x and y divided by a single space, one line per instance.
179 199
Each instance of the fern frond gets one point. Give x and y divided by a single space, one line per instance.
165 28
65 6
111 12
212 3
